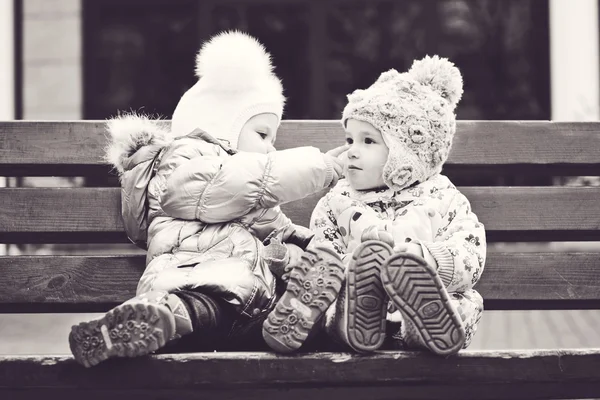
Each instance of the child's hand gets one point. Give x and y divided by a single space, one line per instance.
294 255
338 168
336 157
374 233
339 152
412 248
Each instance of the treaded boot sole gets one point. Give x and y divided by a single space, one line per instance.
418 292
129 330
313 286
366 298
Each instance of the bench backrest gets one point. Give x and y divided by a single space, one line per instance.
516 152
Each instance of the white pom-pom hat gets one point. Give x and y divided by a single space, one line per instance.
414 111
236 82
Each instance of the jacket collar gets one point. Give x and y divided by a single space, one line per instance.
203 135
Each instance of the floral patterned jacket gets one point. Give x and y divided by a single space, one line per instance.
433 214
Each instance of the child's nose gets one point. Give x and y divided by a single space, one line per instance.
352 152
270 148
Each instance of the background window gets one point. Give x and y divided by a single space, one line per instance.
139 55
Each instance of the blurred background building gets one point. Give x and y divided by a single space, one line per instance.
521 59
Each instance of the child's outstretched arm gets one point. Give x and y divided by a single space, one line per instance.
459 248
213 189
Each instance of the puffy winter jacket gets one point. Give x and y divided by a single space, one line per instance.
434 214
207 209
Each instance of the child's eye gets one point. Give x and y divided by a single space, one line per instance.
349 140
262 135
369 141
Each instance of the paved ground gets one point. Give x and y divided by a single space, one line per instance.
47 334
538 330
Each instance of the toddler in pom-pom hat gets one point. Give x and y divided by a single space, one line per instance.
411 246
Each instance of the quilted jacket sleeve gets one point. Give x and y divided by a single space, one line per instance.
216 189
459 246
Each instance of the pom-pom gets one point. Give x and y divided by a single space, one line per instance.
233 60
387 76
441 75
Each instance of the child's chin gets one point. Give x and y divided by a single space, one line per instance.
361 186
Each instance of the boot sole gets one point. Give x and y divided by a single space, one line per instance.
418 292
128 330
366 297
313 286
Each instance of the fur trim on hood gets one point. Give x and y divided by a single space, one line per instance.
130 132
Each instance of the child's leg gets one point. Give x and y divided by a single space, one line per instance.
135 328
430 319
148 322
212 320
360 311
313 286
209 313
470 307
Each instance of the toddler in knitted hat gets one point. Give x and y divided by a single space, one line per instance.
203 199
411 246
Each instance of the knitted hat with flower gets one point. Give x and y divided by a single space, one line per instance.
236 82
414 111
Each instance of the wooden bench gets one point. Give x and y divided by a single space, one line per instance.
512 280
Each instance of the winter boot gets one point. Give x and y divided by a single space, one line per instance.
360 313
313 286
135 328
429 320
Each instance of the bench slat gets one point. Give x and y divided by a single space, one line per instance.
568 213
95 283
490 391
75 147
486 374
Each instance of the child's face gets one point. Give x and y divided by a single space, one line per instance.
258 134
367 155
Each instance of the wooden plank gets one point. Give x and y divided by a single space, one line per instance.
60 210
95 283
572 372
67 283
478 143
50 142
540 276
510 209
473 390
483 142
